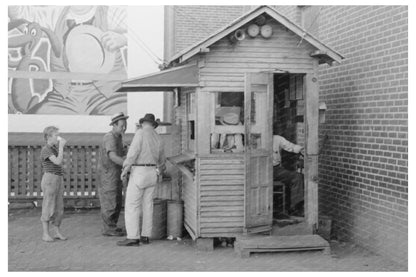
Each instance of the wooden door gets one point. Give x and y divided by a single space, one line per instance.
258 121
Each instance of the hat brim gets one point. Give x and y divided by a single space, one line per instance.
154 122
117 119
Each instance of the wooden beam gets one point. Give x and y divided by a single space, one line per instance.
203 122
311 147
66 75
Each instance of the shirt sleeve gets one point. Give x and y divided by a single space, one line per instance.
46 153
110 144
288 146
117 16
134 150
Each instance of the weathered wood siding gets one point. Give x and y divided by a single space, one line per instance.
221 183
190 198
226 63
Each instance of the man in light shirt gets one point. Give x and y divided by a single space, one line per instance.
146 161
291 179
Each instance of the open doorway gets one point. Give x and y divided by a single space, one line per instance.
288 122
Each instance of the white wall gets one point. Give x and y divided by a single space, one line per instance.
147 23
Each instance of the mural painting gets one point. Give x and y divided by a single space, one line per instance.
67 59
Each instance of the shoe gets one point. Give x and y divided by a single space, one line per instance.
112 233
145 240
121 230
129 242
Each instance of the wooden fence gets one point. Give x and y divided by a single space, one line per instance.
81 176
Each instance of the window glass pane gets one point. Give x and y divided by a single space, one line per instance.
228 133
229 108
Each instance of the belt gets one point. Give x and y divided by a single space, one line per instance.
143 165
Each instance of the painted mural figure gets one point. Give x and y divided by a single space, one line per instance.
84 39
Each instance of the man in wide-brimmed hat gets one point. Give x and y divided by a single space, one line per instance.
111 162
146 160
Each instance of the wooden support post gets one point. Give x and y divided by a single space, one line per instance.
311 147
203 122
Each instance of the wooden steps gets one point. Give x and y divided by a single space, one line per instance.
250 244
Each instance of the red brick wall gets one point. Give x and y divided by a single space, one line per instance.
363 163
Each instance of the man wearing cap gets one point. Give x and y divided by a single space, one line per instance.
145 160
111 162
291 179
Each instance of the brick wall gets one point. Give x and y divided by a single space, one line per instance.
363 165
363 160
193 23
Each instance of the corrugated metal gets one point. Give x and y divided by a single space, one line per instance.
221 195
181 76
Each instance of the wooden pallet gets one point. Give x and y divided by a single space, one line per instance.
251 244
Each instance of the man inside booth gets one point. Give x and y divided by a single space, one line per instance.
291 179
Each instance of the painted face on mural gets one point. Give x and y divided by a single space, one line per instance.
81 13
80 40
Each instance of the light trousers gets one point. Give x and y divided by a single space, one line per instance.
139 201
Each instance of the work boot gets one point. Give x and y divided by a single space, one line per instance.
112 233
129 242
145 240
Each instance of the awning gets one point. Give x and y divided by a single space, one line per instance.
181 76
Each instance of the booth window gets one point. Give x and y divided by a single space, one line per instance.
190 121
227 133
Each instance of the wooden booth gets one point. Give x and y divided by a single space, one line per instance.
223 99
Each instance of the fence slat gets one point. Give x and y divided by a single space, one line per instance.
31 170
81 173
38 171
9 177
74 175
89 170
16 171
96 173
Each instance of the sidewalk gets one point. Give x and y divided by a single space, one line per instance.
87 250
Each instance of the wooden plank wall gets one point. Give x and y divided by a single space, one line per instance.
221 185
226 63
190 198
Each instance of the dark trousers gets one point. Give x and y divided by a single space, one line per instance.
292 180
110 193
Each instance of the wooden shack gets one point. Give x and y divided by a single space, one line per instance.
224 89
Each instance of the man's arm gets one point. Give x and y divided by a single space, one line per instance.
115 159
58 159
134 150
110 147
290 147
